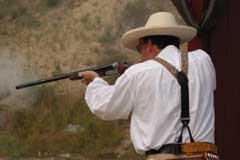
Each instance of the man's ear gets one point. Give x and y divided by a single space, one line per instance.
147 48
150 46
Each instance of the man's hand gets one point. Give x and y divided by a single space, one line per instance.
121 68
88 76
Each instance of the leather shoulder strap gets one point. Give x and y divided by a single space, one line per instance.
168 66
184 57
173 70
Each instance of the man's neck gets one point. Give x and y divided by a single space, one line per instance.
152 54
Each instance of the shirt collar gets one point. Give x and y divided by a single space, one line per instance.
171 54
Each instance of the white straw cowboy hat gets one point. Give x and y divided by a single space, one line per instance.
161 23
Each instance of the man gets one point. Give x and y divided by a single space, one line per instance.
153 95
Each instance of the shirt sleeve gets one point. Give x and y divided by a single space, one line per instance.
110 102
212 71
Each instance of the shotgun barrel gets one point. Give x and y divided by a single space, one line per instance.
99 69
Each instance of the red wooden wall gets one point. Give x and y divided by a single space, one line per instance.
224 47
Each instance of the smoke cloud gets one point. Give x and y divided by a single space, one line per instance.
13 71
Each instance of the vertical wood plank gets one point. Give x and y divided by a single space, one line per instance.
224 46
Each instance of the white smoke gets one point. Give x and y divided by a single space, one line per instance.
13 71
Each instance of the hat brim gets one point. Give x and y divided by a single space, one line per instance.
131 38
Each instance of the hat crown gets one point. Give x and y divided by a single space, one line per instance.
161 19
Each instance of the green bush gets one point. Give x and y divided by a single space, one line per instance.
10 146
11 8
107 36
135 13
52 3
90 22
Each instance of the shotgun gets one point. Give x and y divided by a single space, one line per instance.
103 70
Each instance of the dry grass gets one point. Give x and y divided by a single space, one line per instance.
42 130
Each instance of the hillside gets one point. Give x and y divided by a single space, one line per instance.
43 38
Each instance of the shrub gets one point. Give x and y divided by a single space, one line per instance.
11 8
107 36
135 13
10 146
52 3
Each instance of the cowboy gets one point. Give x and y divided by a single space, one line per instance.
169 94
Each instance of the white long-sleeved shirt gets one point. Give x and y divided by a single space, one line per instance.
152 94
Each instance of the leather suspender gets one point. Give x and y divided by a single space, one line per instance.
181 76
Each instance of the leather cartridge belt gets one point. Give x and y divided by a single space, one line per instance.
187 148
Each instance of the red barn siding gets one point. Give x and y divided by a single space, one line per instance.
224 50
